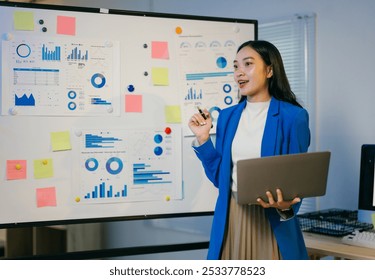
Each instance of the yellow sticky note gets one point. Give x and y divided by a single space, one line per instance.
43 168
60 141
373 219
173 114
160 76
23 20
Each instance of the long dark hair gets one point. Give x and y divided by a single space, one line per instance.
278 84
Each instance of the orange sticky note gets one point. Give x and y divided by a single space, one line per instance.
133 103
66 25
159 50
16 169
46 197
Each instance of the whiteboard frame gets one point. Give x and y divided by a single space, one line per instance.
125 13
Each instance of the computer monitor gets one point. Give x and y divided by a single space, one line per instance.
366 199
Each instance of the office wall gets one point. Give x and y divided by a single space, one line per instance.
344 72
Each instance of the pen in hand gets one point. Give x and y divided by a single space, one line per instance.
203 115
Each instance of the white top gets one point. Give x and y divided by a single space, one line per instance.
248 139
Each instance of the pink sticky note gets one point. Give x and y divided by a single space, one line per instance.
160 50
16 169
133 103
46 197
66 25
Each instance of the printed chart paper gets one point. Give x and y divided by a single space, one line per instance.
60 77
129 165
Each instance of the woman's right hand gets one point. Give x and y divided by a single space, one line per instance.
201 126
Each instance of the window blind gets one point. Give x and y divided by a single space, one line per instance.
295 39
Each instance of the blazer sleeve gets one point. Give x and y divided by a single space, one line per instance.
210 159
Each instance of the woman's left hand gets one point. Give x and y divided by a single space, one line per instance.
279 203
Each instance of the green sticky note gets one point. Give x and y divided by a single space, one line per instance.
160 76
43 168
373 219
60 141
23 20
173 114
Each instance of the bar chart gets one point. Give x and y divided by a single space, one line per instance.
98 141
144 175
78 55
194 94
99 101
101 191
51 55
201 76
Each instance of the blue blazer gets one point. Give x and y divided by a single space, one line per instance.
286 132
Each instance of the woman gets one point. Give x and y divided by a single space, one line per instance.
267 121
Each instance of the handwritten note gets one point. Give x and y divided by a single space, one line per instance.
60 141
16 169
43 168
46 197
133 103
66 25
160 76
159 50
23 20
173 114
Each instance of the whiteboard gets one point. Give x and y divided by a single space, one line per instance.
94 111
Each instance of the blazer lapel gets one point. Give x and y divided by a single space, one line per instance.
270 130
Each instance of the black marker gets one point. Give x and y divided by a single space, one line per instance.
203 115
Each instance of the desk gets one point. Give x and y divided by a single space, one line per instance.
319 245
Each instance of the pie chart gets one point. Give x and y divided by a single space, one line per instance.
221 62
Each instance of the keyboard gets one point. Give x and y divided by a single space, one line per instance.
360 238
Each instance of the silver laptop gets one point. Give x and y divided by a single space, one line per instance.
303 175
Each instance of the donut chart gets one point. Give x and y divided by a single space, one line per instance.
72 94
227 88
72 106
91 164
228 100
23 50
214 112
98 80
109 165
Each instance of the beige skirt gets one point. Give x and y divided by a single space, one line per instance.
249 235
